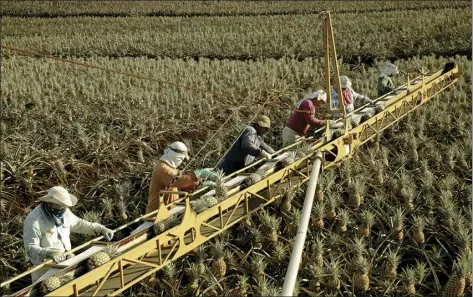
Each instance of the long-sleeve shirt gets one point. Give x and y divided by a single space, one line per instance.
304 117
163 176
385 85
40 234
243 151
349 98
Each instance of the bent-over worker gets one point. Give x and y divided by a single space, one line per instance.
303 117
249 145
385 83
349 96
167 177
47 229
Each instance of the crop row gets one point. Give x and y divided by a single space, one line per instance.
375 35
199 8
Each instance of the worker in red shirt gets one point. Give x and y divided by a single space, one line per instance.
303 117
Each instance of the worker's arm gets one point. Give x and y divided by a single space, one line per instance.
185 181
266 147
248 143
32 242
79 225
387 85
309 115
357 97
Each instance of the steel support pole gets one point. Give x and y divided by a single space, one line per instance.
298 247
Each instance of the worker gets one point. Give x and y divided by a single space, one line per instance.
349 96
47 228
166 176
249 145
385 84
303 117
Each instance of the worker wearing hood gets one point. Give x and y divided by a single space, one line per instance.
385 83
166 176
349 96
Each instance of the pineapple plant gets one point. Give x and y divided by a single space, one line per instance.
122 209
408 197
356 192
219 267
316 272
318 215
333 202
199 254
368 218
398 224
258 266
221 190
333 275
463 239
286 202
318 251
361 280
409 276
271 226
391 264
293 222
319 192
280 252
257 238
455 286
100 258
418 225
359 249
344 220
201 204
170 272
242 289
193 272
379 175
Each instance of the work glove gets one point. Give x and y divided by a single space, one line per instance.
206 173
332 123
265 155
209 183
368 100
107 233
70 256
56 256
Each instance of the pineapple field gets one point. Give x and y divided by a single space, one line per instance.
396 219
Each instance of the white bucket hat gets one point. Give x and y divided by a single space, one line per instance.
180 148
59 195
319 94
345 81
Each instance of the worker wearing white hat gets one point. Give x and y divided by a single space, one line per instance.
385 83
303 117
166 176
349 96
47 229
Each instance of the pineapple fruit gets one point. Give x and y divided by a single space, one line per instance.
418 225
344 219
333 275
318 251
361 280
221 190
288 160
368 221
252 179
258 266
219 267
316 272
242 289
356 192
271 226
455 286
398 222
193 272
391 264
286 202
50 284
318 216
199 254
333 202
409 276
102 257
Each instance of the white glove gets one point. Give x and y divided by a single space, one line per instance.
107 233
332 124
368 100
265 155
56 256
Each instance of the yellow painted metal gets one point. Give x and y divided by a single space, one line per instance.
141 261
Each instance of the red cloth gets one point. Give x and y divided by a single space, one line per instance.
347 97
303 118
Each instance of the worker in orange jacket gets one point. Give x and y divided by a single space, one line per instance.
167 177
